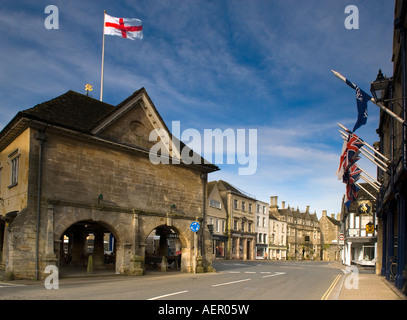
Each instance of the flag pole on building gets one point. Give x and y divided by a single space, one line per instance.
364 143
128 28
361 187
382 165
353 86
103 57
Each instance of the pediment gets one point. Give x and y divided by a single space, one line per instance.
132 122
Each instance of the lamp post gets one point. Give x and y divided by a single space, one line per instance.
379 87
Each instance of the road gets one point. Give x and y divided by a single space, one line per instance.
234 280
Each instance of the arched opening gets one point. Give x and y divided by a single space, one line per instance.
87 246
163 249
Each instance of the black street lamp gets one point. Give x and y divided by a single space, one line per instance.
379 87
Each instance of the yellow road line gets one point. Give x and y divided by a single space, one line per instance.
330 289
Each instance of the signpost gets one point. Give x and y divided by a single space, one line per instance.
341 239
195 228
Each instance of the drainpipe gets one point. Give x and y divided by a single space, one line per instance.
204 177
41 139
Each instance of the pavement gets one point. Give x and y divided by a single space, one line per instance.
364 285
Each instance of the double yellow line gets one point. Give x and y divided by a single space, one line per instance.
330 289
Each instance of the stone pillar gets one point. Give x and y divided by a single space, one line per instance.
237 247
4 255
137 265
348 260
50 259
244 246
98 251
78 243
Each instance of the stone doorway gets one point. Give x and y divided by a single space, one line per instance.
163 250
87 247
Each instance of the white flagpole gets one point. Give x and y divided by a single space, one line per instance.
365 151
366 144
359 185
353 86
370 182
367 174
103 57
368 157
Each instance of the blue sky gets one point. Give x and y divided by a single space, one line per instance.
258 64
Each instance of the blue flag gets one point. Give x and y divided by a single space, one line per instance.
361 101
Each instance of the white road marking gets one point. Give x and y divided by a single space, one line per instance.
227 283
275 274
168 295
10 285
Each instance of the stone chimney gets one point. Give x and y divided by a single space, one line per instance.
307 210
333 215
324 213
273 201
273 204
282 204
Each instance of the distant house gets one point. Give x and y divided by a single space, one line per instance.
217 220
261 228
303 231
330 231
240 224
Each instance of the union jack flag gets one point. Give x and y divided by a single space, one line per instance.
351 194
350 154
352 175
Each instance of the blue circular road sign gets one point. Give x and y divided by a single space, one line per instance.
195 226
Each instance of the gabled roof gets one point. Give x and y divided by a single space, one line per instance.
86 115
71 110
226 186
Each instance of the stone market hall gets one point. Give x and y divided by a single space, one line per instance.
76 180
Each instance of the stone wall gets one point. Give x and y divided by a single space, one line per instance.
120 189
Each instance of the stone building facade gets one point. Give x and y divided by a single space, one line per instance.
261 228
330 231
391 200
73 167
277 238
303 231
217 221
240 229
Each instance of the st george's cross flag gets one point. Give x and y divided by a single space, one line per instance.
129 28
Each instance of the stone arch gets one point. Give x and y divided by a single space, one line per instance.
120 224
181 227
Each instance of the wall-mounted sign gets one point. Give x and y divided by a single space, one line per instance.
370 227
365 208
